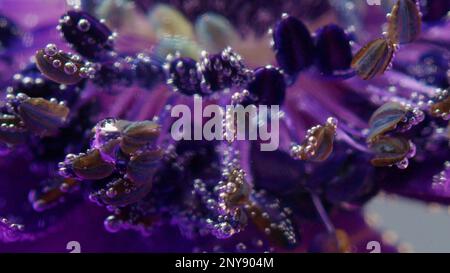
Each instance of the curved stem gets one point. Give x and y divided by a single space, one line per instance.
350 141
322 213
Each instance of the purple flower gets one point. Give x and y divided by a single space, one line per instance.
86 149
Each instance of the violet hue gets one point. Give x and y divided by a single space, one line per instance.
434 10
267 87
95 162
293 45
182 74
255 16
223 70
334 53
9 32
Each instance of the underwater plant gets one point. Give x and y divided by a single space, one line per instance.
86 149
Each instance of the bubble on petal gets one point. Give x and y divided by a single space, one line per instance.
51 50
272 220
60 67
83 25
70 68
440 104
318 143
90 37
385 119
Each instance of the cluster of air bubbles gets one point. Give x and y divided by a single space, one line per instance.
440 104
9 231
208 193
214 72
273 219
412 117
318 143
62 67
223 70
181 74
225 219
51 50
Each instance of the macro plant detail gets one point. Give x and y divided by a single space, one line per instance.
85 123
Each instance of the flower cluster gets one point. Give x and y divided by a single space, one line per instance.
85 127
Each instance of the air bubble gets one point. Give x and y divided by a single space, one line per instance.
403 164
70 68
84 72
112 224
56 63
83 25
51 50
